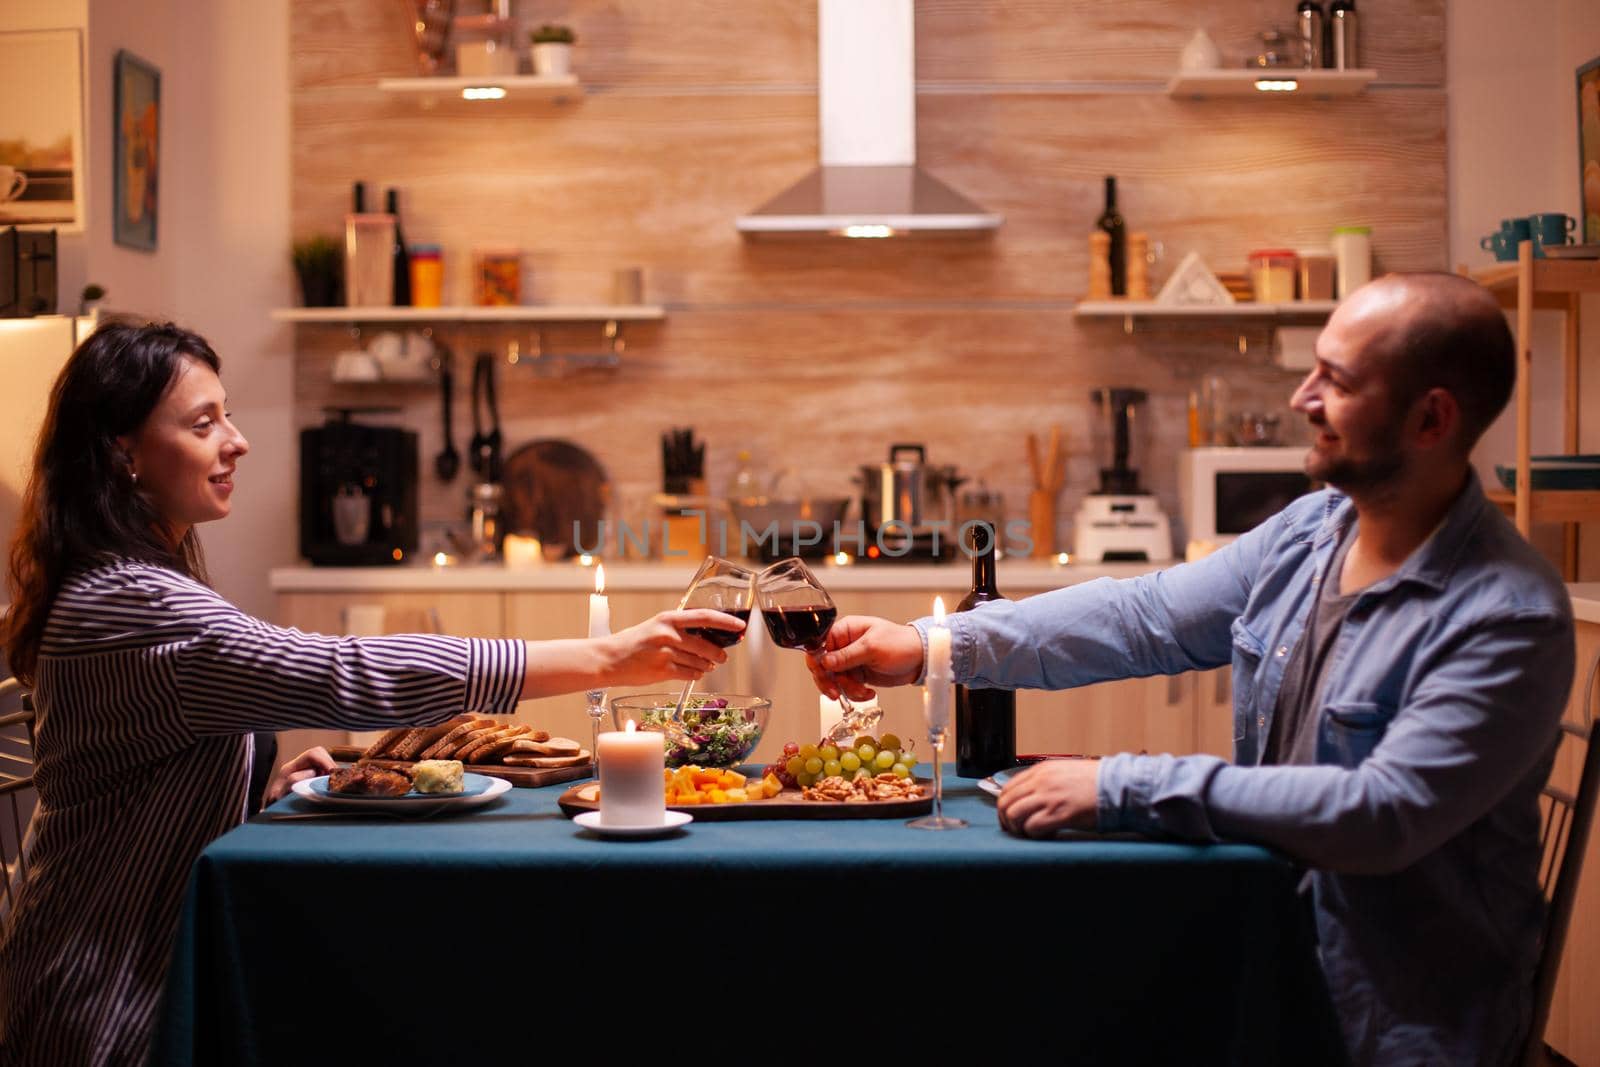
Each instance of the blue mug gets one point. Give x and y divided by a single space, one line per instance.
1550 228
1495 244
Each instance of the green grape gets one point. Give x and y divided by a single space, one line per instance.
868 753
883 761
807 751
813 766
804 780
831 768
866 739
850 762
828 752
889 741
862 773
794 765
908 758
900 770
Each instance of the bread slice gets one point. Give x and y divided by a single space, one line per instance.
411 746
490 751
551 746
470 754
450 741
515 760
388 739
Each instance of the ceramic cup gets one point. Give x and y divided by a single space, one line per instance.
1550 228
1495 244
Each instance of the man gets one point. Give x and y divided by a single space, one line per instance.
1401 658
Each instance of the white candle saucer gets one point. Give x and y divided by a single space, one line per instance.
590 820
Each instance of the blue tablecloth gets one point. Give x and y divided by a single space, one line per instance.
486 935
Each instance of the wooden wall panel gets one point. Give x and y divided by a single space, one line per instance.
817 354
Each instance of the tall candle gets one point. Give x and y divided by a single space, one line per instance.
936 682
599 606
632 790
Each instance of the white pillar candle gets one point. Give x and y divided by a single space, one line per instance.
632 787
599 606
521 552
936 680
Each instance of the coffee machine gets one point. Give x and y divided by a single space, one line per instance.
358 493
1120 522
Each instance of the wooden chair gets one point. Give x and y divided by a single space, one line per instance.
1567 820
16 781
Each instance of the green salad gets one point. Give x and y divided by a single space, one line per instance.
710 734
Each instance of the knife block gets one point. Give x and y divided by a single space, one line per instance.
1042 522
369 260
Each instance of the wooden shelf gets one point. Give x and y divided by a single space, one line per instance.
1553 505
1553 281
453 93
1121 309
1201 84
516 313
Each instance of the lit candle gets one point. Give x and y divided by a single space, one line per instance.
936 682
599 606
632 792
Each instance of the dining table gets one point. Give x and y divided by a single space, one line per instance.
507 931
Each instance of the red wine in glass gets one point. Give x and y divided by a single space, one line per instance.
804 628
724 638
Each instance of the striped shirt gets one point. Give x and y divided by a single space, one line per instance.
147 687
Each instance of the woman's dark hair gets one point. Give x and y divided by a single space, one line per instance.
82 506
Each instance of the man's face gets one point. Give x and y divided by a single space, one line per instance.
1349 398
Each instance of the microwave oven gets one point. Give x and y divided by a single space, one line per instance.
1225 492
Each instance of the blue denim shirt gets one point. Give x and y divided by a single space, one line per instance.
1438 724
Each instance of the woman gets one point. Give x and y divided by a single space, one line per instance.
148 684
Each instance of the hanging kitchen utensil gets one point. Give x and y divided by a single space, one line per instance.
555 491
448 461
484 450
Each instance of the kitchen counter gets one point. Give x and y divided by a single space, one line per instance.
1023 575
1585 601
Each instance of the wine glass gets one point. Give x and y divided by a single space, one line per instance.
799 613
725 587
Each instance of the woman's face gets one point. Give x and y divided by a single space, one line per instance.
184 454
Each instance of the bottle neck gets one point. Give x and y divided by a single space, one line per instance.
391 202
1111 194
358 197
983 560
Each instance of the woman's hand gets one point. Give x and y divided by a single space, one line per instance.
309 764
662 647
864 651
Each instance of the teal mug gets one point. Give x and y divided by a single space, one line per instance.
1550 228
1496 245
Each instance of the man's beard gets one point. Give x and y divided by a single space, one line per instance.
1381 468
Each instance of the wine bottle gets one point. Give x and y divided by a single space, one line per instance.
1111 223
402 260
986 719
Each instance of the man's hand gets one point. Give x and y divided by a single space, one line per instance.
863 652
309 764
1050 796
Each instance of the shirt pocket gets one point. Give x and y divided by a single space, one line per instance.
1247 650
1350 730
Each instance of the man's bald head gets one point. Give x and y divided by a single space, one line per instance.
1444 331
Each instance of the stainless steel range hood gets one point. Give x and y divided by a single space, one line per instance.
869 184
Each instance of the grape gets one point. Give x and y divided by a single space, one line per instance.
908 757
831 768
850 762
866 739
828 752
814 766
791 749
900 770
890 741
883 761
862 773
807 751
794 765
867 752
804 780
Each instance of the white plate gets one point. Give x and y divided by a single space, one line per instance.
590 820
476 793
996 781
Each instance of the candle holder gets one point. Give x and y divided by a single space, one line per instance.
597 710
936 733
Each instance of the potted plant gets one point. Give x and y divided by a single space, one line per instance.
319 264
552 50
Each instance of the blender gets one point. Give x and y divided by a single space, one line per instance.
1121 522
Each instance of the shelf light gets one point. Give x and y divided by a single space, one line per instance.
1276 85
489 92
868 231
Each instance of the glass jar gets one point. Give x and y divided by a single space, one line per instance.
1272 274
427 276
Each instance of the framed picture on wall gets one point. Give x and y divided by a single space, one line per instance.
1589 149
41 130
137 173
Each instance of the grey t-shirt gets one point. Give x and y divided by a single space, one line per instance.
1293 737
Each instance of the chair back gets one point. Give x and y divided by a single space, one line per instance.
1567 818
16 786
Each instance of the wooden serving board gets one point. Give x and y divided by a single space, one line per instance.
786 805
523 777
